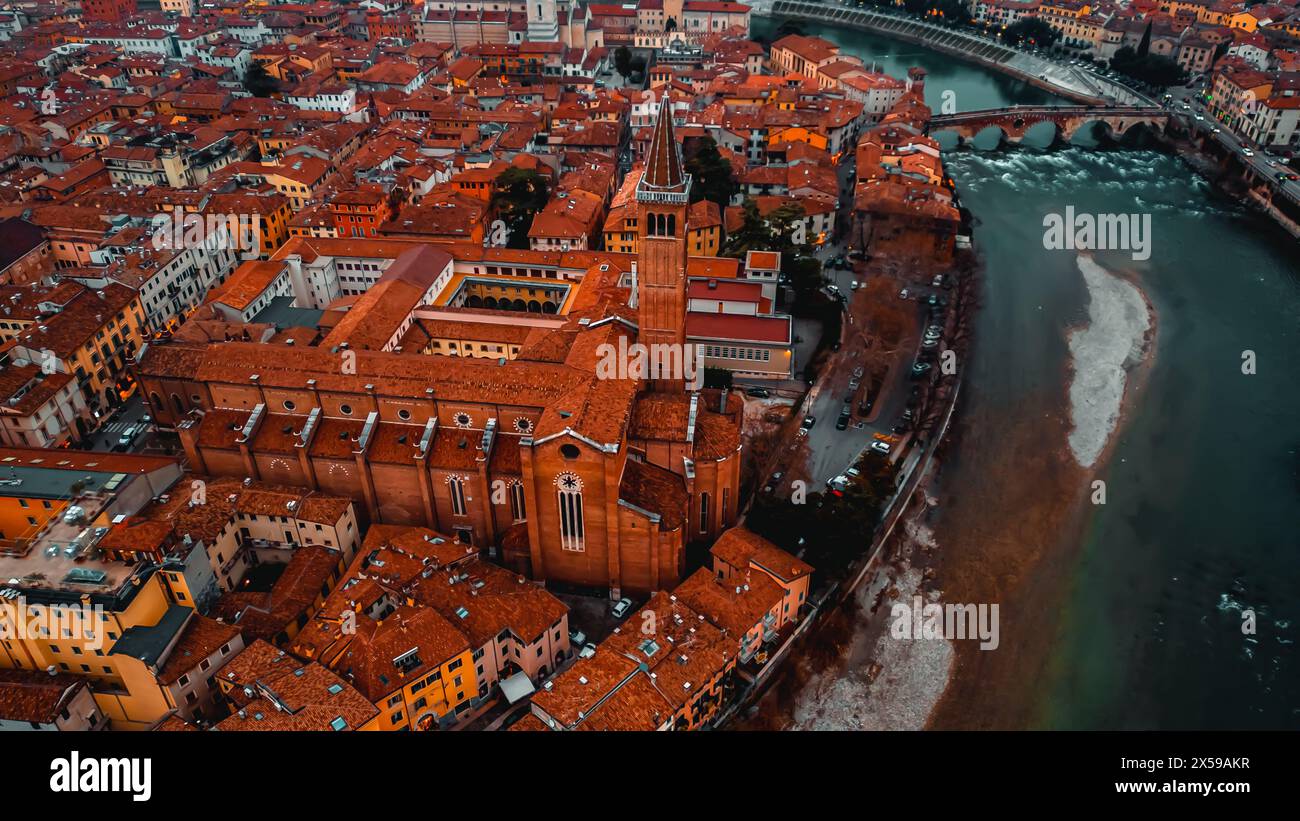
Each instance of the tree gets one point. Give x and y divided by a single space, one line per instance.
1033 31
520 193
713 178
623 61
753 233
258 82
1144 47
1154 69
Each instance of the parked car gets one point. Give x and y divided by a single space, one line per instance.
772 481
587 651
880 447
577 638
621 608
758 393
809 421
842 422
1247 152
919 369
903 294
856 285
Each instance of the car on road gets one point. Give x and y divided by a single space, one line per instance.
1286 176
1247 152
1199 118
801 433
903 294
127 437
880 447
758 393
843 421
838 484
809 421
929 344
855 286
1216 130
621 608
577 638
853 384
587 651
919 369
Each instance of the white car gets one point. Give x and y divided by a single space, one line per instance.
577 638
621 608
587 651
903 294
1199 118
856 285
880 447
1247 152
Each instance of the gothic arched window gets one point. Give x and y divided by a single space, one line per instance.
569 495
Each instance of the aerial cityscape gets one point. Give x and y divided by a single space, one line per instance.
502 366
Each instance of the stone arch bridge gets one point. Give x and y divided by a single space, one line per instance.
1015 121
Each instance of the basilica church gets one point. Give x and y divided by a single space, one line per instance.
558 471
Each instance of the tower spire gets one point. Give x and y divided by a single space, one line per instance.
663 169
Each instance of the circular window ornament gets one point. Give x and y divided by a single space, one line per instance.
462 420
289 405
404 415
346 410
570 482
524 425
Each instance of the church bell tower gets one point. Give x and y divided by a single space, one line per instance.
662 198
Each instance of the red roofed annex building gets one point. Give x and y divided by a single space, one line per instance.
579 477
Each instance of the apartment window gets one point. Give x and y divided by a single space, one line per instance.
572 535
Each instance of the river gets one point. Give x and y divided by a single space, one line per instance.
1134 612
